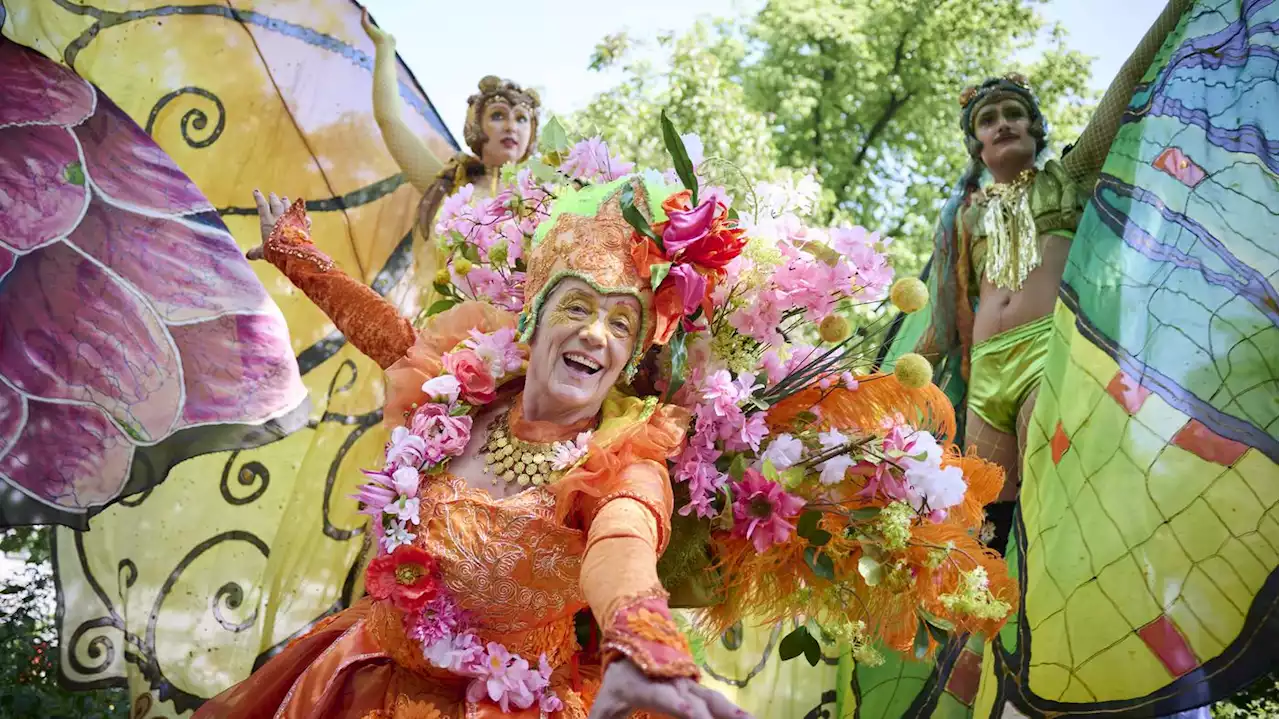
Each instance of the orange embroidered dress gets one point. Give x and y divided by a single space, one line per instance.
522 566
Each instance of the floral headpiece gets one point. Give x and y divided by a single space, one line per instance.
587 237
494 88
974 97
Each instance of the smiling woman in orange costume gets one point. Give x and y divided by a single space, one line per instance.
559 502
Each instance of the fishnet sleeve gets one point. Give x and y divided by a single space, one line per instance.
420 166
1084 162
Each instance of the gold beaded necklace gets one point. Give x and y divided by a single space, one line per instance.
515 460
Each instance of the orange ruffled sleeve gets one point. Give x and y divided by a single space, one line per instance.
368 320
424 360
622 495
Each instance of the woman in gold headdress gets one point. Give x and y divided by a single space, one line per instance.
512 545
501 128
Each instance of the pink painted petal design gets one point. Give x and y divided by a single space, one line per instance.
188 271
128 167
37 90
69 331
42 187
69 455
13 414
240 369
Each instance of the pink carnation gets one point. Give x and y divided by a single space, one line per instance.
440 619
446 436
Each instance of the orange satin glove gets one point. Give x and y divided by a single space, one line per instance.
628 528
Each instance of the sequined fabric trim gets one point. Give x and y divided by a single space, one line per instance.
643 631
292 241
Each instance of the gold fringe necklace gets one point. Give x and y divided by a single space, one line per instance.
1013 248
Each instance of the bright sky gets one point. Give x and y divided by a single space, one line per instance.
547 44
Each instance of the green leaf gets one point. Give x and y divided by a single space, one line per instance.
938 633
944 625
862 515
440 306
872 571
633 216
793 477
679 358
806 419
808 523
552 136
813 652
769 471
738 467
544 172
820 563
922 641
679 158
820 538
657 273
795 643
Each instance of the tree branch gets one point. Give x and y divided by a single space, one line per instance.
895 102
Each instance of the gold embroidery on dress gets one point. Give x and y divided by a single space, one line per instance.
1013 248
507 561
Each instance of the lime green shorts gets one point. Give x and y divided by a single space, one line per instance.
1004 369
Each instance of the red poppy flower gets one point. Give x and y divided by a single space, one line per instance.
407 577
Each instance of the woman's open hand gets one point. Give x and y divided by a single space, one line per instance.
625 689
269 210
381 38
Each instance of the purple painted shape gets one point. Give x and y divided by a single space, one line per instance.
36 90
69 455
189 272
42 188
128 167
1248 282
69 331
239 368
13 411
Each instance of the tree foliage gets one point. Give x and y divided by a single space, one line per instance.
28 641
862 92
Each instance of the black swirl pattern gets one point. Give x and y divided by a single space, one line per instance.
99 639
250 474
232 595
195 118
